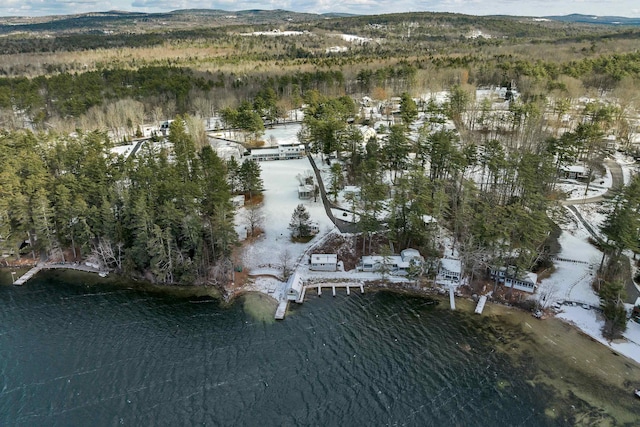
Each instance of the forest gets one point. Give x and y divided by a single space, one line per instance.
166 215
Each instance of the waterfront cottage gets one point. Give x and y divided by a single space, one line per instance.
527 281
449 270
396 264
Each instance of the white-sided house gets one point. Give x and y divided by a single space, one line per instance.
379 263
284 151
527 282
294 287
324 262
368 133
395 264
449 270
574 172
411 254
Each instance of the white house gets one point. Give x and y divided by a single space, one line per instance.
574 172
450 270
368 133
229 151
396 264
324 262
526 281
284 151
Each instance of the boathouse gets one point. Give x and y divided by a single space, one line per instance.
294 287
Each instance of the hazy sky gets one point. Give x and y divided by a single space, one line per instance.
628 8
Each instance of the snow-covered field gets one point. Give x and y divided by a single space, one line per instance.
280 199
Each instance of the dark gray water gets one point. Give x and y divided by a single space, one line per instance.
74 354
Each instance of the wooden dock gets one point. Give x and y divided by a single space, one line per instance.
333 287
481 302
282 309
28 275
452 299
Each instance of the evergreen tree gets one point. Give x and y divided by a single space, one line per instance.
408 109
250 180
300 224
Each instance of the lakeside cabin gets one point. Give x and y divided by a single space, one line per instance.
527 281
324 262
449 270
396 264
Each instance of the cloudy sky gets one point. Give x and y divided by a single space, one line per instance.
628 8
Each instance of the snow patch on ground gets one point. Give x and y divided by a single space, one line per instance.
280 199
591 322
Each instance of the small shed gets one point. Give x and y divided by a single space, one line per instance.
324 262
305 191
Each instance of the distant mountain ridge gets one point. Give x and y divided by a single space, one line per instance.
125 21
595 19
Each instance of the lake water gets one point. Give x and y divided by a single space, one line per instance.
77 353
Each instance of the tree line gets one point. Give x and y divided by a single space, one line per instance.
164 214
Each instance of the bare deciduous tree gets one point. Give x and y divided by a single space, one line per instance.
253 218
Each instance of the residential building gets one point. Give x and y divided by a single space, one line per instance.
449 271
284 151
526 281
324 262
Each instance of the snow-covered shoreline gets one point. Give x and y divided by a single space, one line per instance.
570 281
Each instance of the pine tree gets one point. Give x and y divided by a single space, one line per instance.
250 180
300 224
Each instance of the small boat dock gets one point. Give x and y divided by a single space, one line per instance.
282 309
28 275
296 291
452 298
481 302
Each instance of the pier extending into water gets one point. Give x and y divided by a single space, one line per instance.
282 309
481 302
67 266
333 287
283 305
28 275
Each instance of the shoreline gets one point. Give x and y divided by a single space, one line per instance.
229 296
